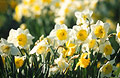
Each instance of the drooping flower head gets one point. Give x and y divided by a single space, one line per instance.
83 62
61 62
19 61
8 48
69 49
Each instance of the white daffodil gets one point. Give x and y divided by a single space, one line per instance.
84 17
106 49
20 38
60 20
60 33
65 9
18 13
85 48
106 69
62 64
36 9
100 30
92 43
28 2
8 48
53 70
80 34
118 34
40 48
26 11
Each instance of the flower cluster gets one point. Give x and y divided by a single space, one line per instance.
60 8
64 50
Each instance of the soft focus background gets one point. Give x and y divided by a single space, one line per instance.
40 18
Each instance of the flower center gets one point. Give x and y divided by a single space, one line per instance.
41 49
82 35
22 40
5 48
61 34
19 62
108 50
107 69
84 17
99 32
36 8
92 43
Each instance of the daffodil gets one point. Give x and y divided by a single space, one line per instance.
61 63
46 1
100 30
8 48
106 49
40 48
106 69
60 20
28 2
80 34
26 11
85 48
19 61
118 33
83 62
36 9
92 43
18 13
69 49
53 70
20 38
84 17
60 33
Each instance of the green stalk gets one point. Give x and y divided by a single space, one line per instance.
13 67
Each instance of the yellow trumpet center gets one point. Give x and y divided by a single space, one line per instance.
82 35
61 34
22 40
99 32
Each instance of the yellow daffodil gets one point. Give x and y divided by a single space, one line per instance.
70 49
19 61
83 62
